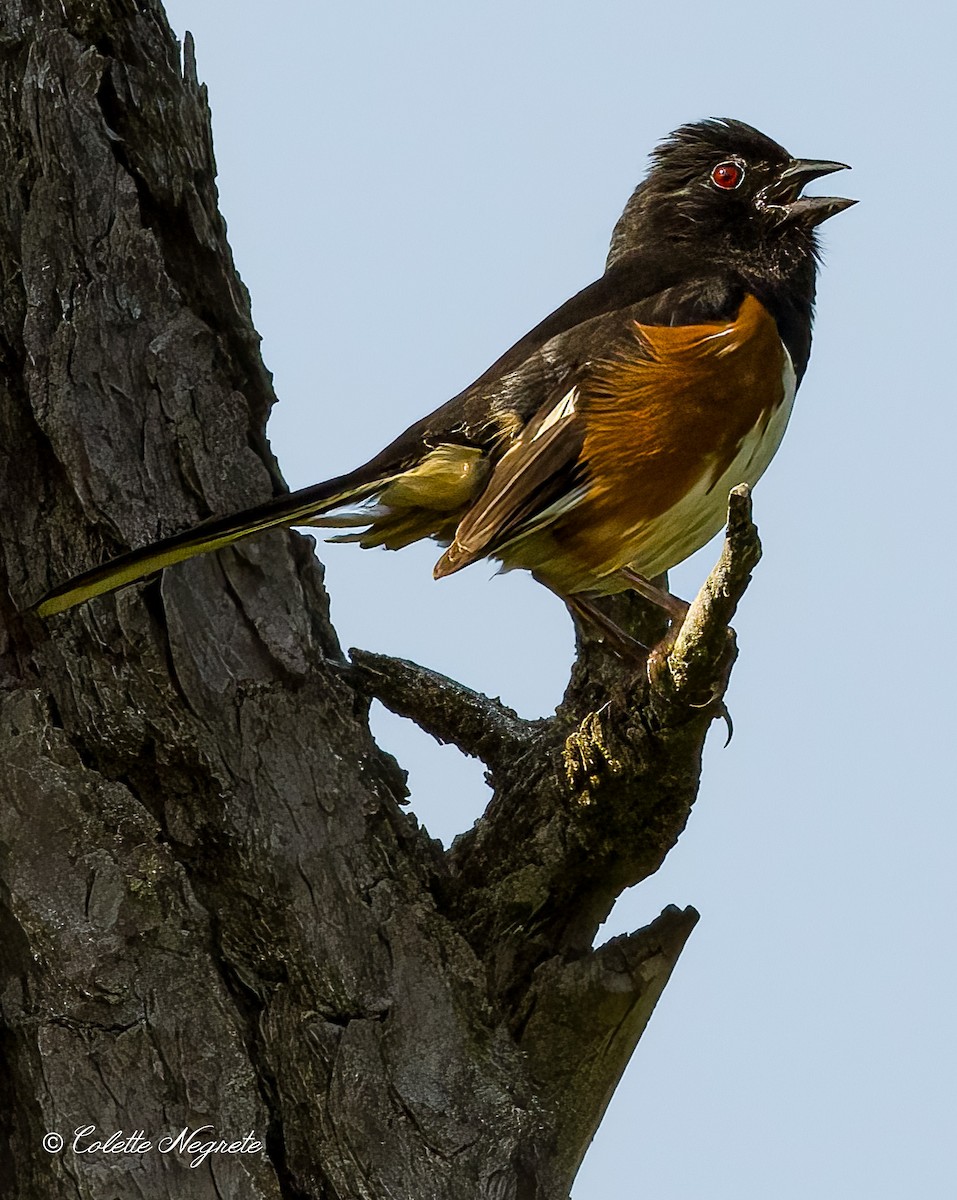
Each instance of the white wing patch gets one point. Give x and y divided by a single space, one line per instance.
564 408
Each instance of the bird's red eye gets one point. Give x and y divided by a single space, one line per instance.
727 175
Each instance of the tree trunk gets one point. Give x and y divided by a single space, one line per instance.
215 914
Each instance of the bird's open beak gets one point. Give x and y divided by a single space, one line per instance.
785 193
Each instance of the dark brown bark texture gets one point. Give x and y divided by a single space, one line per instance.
214 910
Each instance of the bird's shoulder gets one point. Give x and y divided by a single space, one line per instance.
648 287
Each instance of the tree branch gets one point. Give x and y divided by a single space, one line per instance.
451 712
695 669
606 792
585 1018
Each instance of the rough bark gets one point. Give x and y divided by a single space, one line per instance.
214 910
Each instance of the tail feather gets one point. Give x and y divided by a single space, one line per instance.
295 508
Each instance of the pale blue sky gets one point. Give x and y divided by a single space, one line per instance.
408 189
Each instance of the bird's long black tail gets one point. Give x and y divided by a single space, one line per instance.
292 509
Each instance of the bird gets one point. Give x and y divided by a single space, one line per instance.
597 452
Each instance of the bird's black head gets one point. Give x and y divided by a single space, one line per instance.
731 197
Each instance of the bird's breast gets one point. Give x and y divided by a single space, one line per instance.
674 420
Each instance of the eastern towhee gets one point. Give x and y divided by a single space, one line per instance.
599 450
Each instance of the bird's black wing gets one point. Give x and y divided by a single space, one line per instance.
658 285
489 415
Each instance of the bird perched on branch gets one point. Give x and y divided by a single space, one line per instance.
599 451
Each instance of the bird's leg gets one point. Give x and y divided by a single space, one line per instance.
676 608
624 645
